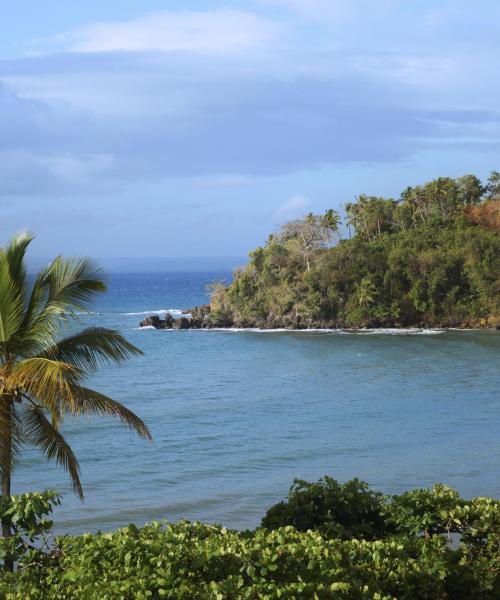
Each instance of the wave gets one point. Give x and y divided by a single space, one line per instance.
379 331
175 312
276 330
395 331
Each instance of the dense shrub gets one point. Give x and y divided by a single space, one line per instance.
195 561
344 511
353 510
26 517
413 560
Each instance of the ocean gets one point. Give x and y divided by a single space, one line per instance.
237 415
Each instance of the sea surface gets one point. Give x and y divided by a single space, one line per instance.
237 415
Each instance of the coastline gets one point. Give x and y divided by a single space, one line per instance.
201 317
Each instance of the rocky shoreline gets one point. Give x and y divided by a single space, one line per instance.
197 318
200 317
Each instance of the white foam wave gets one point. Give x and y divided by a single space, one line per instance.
396 331
276 330
380 331
175 312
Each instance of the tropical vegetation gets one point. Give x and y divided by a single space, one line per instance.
326 540
44 361
430 257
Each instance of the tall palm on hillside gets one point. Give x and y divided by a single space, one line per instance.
366 292
330 221
42 373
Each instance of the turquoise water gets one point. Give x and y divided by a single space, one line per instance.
237 415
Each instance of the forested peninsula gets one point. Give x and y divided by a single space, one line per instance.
430 258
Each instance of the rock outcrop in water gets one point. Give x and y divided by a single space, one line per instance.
201 317
157 323
196 318
181 323
153 321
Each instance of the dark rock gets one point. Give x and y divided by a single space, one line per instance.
157 323
152 321
181 323
169 321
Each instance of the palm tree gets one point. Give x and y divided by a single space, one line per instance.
367 292
330 221
41 372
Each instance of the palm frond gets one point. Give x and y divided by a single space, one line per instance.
46 380
36 330
14 254
38 430
92 347
90 402
72 284
60 291
11 305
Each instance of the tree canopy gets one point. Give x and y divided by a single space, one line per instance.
431 256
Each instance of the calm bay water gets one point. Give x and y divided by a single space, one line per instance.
237 415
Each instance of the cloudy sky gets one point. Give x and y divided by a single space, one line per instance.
183 128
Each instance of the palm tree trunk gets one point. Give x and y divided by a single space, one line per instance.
6 463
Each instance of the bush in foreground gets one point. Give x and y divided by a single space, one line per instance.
413 559
191 560
344 511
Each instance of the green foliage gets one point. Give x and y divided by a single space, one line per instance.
350 510
427 512
195 561
344 511
25 515
432 257
400 553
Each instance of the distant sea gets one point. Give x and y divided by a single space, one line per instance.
237 415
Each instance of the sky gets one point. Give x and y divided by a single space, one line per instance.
179 128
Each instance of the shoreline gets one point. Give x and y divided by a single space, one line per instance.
200 317
415 330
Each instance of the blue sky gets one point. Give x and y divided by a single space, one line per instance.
160 128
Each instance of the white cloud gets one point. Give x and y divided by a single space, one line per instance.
294 207
218 31
228 96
